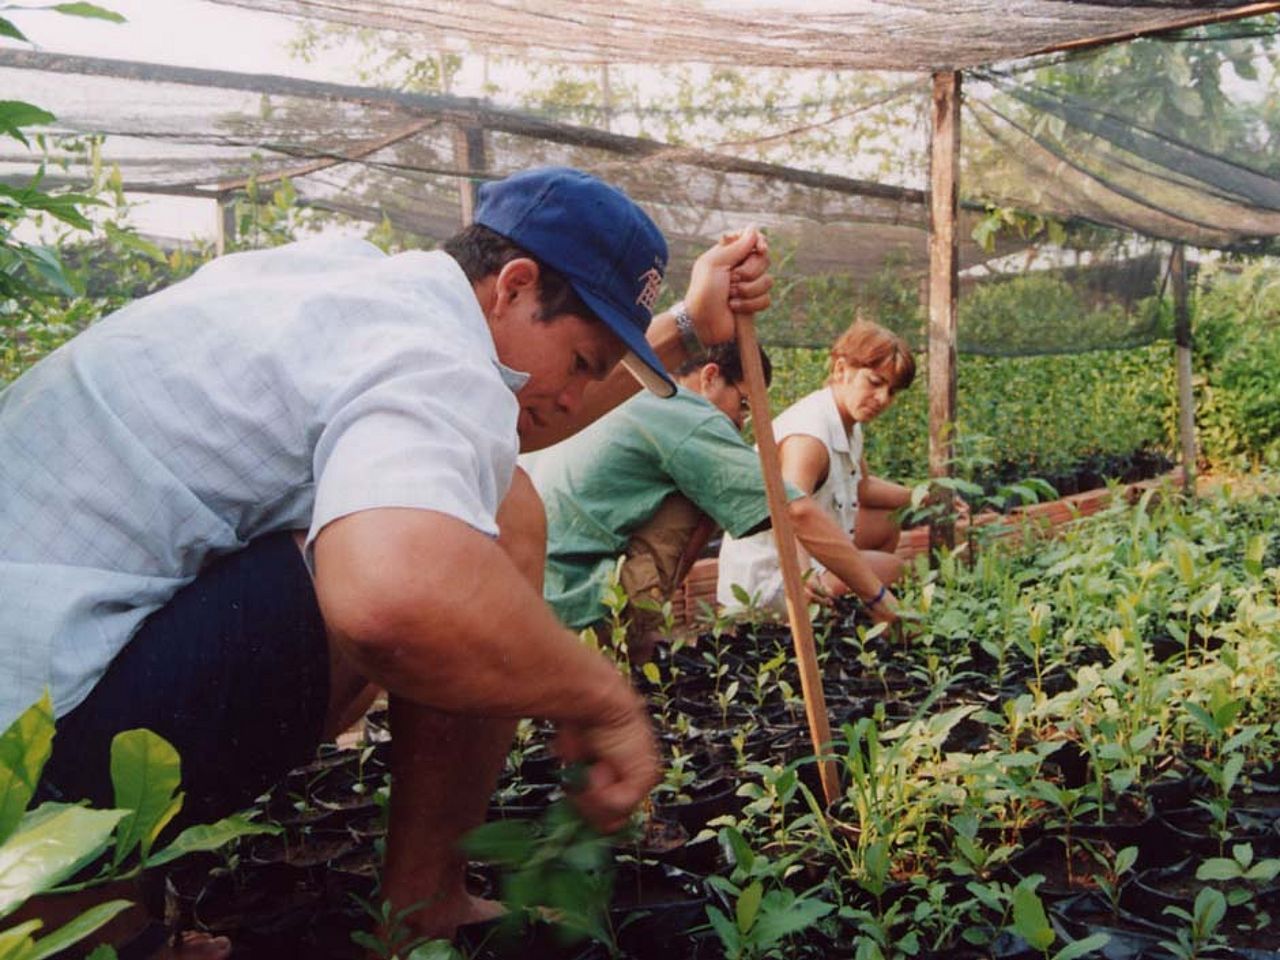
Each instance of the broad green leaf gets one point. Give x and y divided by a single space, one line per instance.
726 931
1125 859
103 951
44 263
39 855
1202 716
89 10
780 917
145 772
432 950
16 942
748 906
20 113
1243 852
1218 868
78 929
1264 871
209 836
1079 948
15 114
24 749
1254 553
1231 771
1028 915
737 846
7 29
130 240
502 841
1210 908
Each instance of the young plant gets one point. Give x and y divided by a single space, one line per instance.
1031 923
765 911
1114 864
1240 872
1199 934
395 941
1225 760
41 848
558 867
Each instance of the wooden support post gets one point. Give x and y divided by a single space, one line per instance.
1182 339
944 282
224 227
815 701
469 155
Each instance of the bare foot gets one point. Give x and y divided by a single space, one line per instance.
442 919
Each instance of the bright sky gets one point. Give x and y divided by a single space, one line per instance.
185 32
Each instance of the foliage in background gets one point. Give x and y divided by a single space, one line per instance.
29 269
1237 340
103 267
67 847
1037 313
1039 415
108 263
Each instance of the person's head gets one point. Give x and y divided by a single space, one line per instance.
869 366
719 378
567 270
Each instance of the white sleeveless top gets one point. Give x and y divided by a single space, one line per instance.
752 562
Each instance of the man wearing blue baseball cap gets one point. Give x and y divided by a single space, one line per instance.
159 473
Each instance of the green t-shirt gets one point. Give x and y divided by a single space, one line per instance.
605 481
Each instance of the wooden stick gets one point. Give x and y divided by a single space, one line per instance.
815 702
944 165
1186 392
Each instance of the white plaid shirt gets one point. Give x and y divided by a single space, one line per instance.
273 390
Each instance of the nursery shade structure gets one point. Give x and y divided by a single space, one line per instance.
916 35
1037 137
1073 136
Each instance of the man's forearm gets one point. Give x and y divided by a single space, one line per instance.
436 612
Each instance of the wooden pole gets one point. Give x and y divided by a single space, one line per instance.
815 701
469 154
225 224
1182 339
944 281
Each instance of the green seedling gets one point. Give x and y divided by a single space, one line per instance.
1031 923
1200 935
558 868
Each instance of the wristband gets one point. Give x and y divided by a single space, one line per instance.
878 597
693 347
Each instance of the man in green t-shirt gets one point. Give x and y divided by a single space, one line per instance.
650 481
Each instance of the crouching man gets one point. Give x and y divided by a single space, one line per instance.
152 470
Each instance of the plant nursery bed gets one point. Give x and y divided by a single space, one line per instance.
1026 708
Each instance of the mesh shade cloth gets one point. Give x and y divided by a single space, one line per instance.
825 34
1072 137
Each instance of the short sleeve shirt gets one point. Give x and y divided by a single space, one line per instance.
273 390
752 562
603 483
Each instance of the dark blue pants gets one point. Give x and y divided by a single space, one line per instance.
233 671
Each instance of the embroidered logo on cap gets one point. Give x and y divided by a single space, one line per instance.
652 286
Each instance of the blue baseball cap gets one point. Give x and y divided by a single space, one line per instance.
608 249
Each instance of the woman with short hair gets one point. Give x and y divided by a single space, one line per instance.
820 445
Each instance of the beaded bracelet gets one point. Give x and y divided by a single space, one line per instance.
878 597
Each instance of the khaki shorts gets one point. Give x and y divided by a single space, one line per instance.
657 560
